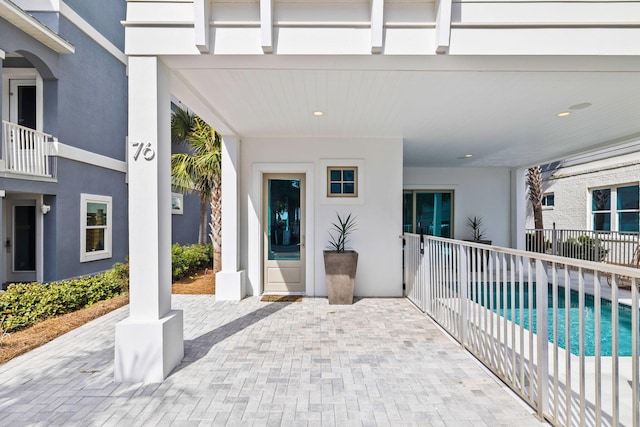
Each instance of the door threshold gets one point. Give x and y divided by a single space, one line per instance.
299 294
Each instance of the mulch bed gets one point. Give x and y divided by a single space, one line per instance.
41 333
281 298
201 282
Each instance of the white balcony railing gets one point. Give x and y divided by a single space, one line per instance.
608 246
552 328
27 151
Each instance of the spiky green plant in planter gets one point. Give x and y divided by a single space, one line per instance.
342 229
340 263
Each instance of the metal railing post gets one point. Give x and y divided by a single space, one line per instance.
542 335
554 240
463 279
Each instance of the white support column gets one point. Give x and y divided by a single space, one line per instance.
518 208
266 26
443 26
201 9
377 25
149 344
230 282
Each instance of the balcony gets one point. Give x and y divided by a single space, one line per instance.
27 152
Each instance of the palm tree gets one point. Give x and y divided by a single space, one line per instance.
199 170
534 182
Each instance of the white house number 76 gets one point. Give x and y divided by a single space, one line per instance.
144 149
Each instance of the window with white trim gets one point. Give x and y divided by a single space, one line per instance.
616 209
95 227
548 200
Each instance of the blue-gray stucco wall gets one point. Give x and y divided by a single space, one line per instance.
85 104
92 97
105 16
83 178
184 228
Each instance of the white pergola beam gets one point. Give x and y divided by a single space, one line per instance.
377 25
266 25
443 26
201 24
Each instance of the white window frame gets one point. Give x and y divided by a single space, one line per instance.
613 206
545 198
96 255
180 209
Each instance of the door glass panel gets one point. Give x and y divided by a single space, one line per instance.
283 228
433 213
27 106
407 213
24 256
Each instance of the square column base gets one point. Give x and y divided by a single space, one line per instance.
230 286
148 350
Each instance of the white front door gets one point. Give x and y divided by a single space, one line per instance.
20 245
283 225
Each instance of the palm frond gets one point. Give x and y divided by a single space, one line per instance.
182 122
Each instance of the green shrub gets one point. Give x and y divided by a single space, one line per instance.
24 304
584 247
189 258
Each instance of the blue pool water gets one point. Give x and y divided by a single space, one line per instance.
624 319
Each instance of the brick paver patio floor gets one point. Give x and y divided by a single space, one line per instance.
377 362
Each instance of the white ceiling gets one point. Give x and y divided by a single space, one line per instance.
503 110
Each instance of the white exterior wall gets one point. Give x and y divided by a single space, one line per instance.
378 209
571 187
483 192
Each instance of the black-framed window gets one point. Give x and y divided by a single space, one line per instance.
431 210
342 181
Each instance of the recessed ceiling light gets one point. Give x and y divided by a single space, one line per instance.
318 113
466 156
564 114
580 106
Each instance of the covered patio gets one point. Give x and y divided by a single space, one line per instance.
379 361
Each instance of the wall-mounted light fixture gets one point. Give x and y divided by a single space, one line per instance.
45 209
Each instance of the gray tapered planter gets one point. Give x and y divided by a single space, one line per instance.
340 269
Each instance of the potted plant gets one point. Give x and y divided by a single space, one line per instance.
477 231
340 263
477 234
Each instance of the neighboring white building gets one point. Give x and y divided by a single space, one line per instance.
360 106
597 191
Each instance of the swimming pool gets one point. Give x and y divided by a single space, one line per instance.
481 296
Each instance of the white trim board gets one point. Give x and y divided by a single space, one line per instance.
30 25
84 156
77 20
